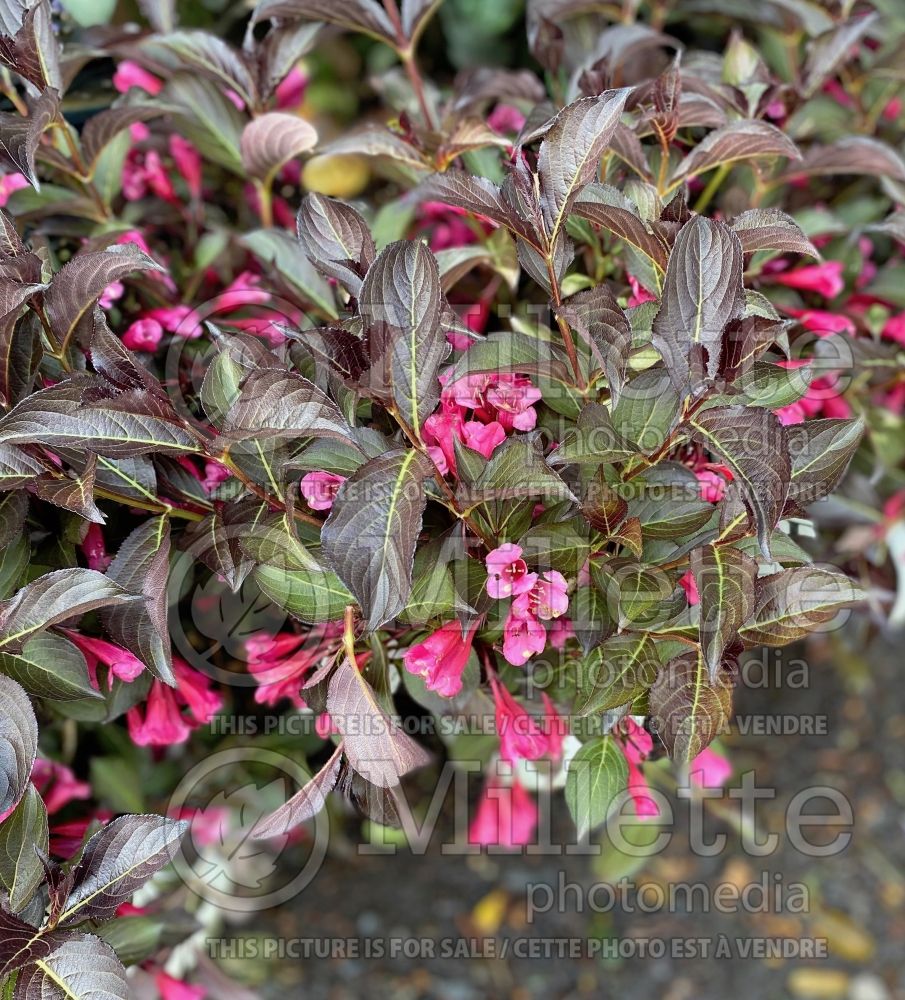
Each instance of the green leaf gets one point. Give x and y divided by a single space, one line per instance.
50 666
516 470
18 742
821 451
596 776
615 673
647 409
512 351
22 834
369 538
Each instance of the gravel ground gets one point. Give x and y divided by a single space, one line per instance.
855 901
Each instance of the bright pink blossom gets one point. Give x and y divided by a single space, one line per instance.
120 662
522 735
281 663
94 549
636 746
112 293
10 183
441 658
514 397
188 163
894 328
523 637
483 438
710 769
507 572
713 485
690 586
640 294
320 489
170 988
129 74
823 323
290 91
143 335
823 279
506 815
162 722
57 785
506 119
547 599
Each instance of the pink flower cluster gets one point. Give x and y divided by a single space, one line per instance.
479 411
537 598
280 663
161 722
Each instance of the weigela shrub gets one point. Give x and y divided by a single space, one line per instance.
523 433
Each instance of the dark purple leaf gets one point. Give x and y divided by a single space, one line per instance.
702 292
688 709
83 968
117 861
771 229
725 578
336 239
570 154
19 136
272 140
372 742
305 804
744 140
400 305
753 443
605 337
369 538
141 568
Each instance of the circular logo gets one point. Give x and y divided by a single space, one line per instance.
219 859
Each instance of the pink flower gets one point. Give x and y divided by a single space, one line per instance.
175 989
547 599
120 662
112 293
446 225
559 632
483 438
823 279
143 335
243 290
690 586
176 319
514 397
290 91
505 119
67 838
823 323
522 736
208 825
894 328
280 663
188 163
10 183
523 637
320 489
325 727
713 485
441 658
640 294
637 746
791 414
893 109
215 473
94 549
506 816
507 572
163 722
129 74
710 769
57 785
441 429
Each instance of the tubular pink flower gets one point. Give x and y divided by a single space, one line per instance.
506 816
441 658
523 637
